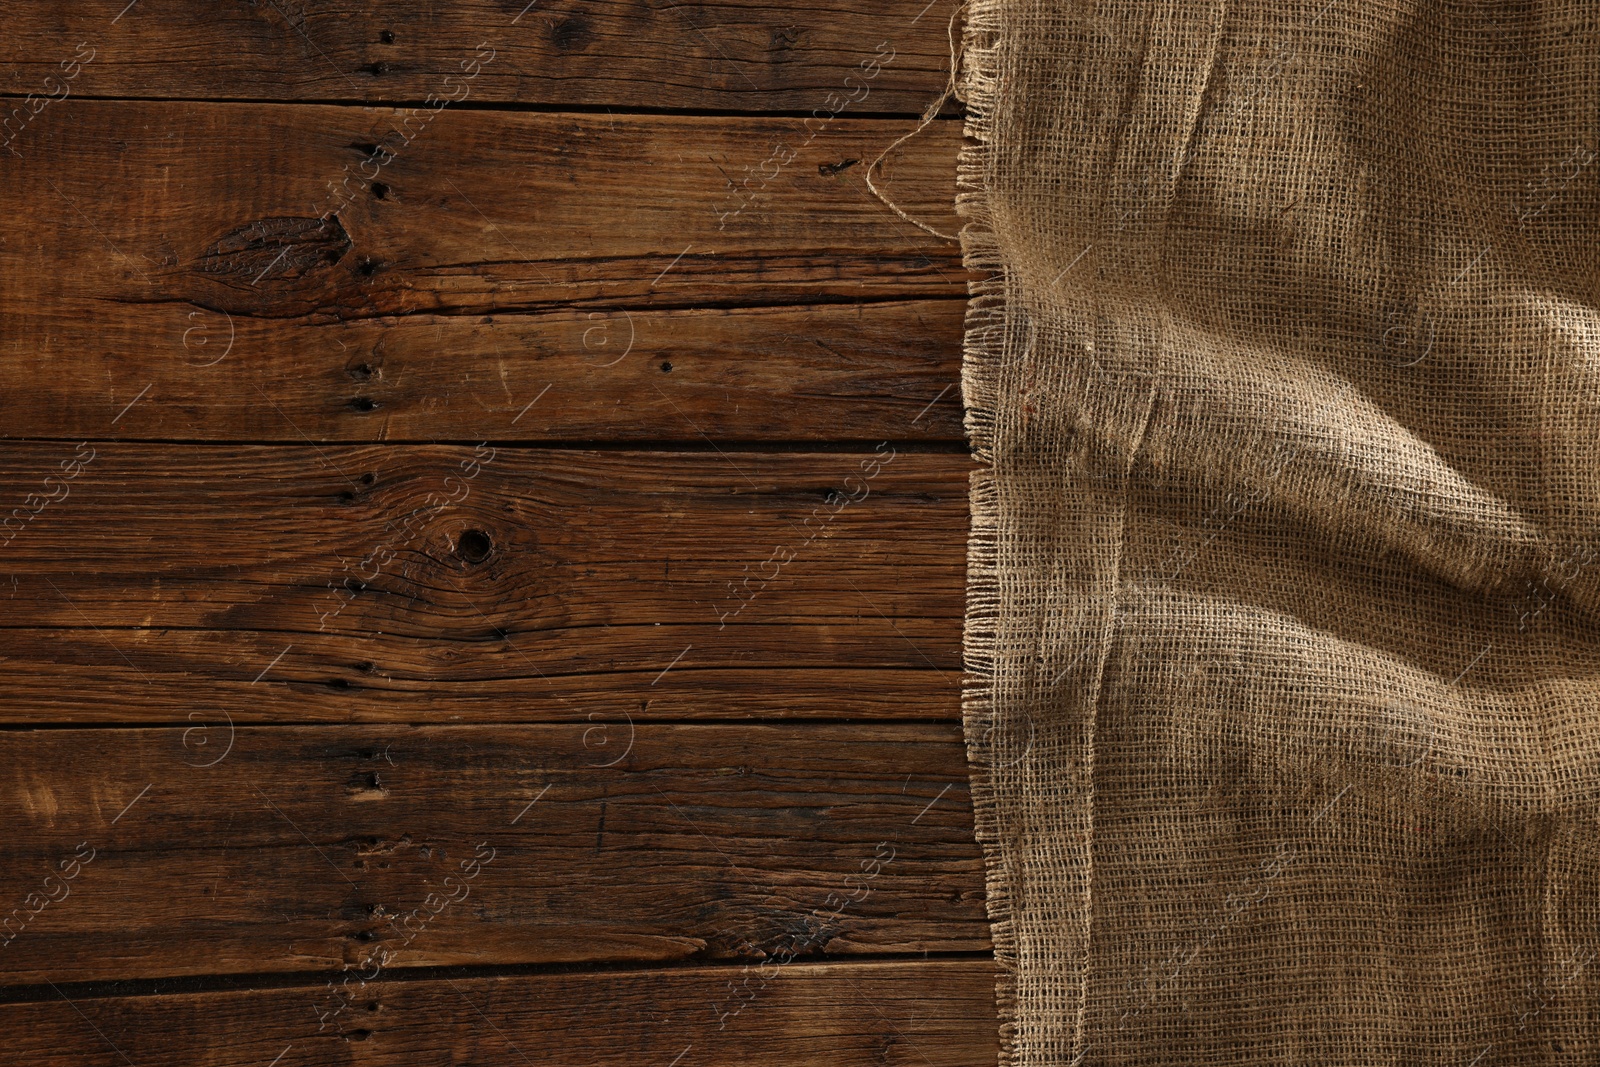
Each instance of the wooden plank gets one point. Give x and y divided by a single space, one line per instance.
449 566
291 849
828 372
382 281
745 55
54 676
931 1014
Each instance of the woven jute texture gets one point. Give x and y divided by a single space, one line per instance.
1284 577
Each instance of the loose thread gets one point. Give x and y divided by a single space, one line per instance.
928 116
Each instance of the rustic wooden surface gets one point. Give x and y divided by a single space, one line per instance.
495 265
934 1013
861 371
654 551
487 219
483 558
748 55
305 848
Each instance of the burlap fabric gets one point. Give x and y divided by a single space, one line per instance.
1283 572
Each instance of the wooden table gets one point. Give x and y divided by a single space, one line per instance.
487 517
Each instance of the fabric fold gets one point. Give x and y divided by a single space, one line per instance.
1282 584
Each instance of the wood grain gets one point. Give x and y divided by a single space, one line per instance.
209 850
186 224
61 676
502 563
822 373
197 252
362 725
746 55
891 1014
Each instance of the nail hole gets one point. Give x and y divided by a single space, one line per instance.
474 546
338 683
374 69
367 667
380 190
363 403
368 478
365 935
362 371
666 366
355 585
373 1006
386 36
367 266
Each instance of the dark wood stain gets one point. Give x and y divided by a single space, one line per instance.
935 1013
316 839
484 570
651 55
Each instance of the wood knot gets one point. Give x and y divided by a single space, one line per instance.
474 546
571 35
275 250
